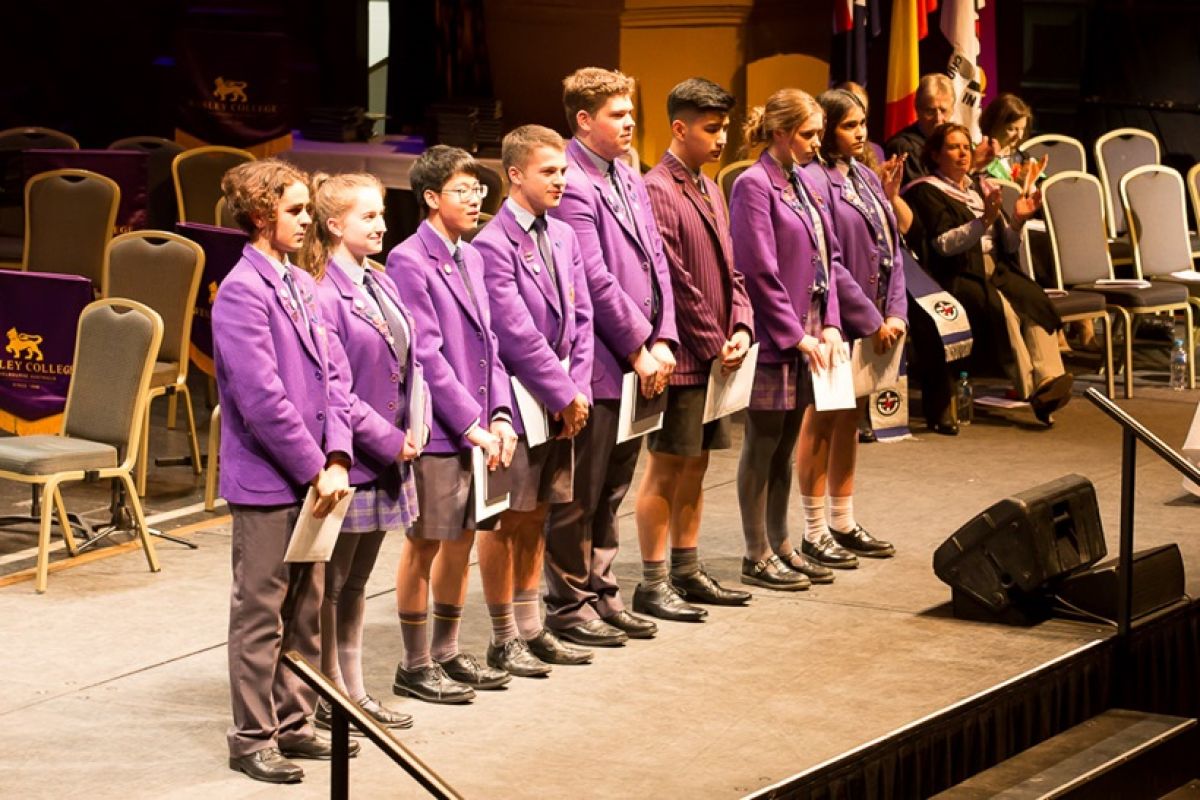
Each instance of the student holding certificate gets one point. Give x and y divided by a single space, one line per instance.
868 219
440 276
712 313
366 319
285 426
783 244
542 315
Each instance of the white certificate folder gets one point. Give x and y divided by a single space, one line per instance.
313 539
729 390
638 415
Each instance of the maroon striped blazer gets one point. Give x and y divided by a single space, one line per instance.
710 295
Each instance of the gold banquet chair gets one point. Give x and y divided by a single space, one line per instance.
197 174
12 183
729 173
161 270
69 219
115 348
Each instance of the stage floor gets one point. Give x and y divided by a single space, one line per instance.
114 682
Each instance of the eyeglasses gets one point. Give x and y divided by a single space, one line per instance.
467 193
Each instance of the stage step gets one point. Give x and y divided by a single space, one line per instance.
1189 792
1126 754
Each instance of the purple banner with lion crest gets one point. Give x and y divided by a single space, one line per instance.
39 314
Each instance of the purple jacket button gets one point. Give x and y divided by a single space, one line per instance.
395 378
483 390
483 363
319 375
391 406
320 416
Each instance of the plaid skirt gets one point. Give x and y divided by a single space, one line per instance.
387 503
781 387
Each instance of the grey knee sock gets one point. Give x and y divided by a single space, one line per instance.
528 613
446 620
654 572
684 561
415 637
504 627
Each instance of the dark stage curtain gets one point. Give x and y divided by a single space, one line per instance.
1162 675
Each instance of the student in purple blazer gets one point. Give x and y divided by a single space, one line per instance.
784 244
633 316
368 322
542 315
440 276
285 426
868 222
715 323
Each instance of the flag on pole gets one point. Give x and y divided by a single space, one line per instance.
959 25
855 23
903 66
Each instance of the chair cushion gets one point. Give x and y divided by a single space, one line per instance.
164 373
1158 294
1078 303
1193 287
45 455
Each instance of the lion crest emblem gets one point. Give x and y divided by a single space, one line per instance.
26 343
229 91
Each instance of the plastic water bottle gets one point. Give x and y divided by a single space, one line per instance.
964 399
1179 366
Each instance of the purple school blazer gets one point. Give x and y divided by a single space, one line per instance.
617 266
379 416
857 237
529 311
710 295
456 349
775 247
284 406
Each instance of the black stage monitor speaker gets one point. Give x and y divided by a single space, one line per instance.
1004 564
1158 583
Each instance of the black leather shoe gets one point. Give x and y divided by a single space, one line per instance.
432 685
315 747
866 436
660 600
465 668
515 658
798 562
699 587
829 553
593 633
384 716
944 428
861 543
267 765
634 627
552 650
771 573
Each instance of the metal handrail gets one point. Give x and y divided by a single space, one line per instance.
345 712
1132 432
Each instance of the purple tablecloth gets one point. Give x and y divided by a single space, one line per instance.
39 314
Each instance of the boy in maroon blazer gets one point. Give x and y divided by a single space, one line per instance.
606 204
542 315
712 313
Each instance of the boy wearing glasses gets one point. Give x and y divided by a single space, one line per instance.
440 276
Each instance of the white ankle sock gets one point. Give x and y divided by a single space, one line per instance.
841 513
814 518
